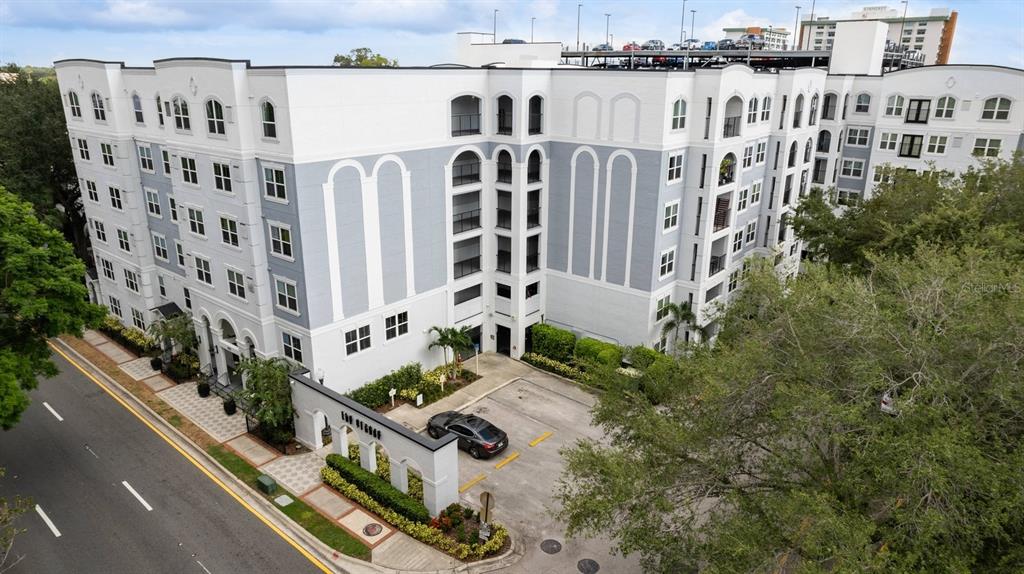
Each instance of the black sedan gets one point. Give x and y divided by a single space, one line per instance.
476 436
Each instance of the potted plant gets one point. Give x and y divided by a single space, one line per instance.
156 363
230 406
204 389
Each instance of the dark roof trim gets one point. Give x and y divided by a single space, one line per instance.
202 59
167 310
302 377
88 61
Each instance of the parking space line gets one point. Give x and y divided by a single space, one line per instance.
507 459
59 418
543 437
472 482
46 519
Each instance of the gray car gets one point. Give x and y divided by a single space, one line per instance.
653 45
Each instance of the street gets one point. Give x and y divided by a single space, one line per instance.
109 495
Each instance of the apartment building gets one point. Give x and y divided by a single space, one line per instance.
774 38
332 216
932 34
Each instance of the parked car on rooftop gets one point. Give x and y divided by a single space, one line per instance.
710 45
513 41
654 45
631 47
726 44
603 48
693 44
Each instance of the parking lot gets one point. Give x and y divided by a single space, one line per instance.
541 414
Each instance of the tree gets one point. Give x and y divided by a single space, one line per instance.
456 339
267 391
9 511
679 316
35 156
175 330
41 295
364 58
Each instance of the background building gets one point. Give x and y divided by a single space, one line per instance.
774 38
931 34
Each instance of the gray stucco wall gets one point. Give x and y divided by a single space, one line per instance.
163 224
287 213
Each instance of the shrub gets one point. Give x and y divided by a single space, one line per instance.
552 342
642 357
182 367
415 482
553 366
422 532
379 489
128 337
375 393
589 349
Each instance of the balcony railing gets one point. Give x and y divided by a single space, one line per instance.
465 221
504 261
533 175
504 173
721 214
717 264
533 217
536 121
731 128
727 173
504 220
504 123
465 173
532 262
465 124
467 266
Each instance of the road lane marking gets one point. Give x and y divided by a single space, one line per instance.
46 519
507 459
472 482
53 412
541 438
205 569
91 451
274 528
137 496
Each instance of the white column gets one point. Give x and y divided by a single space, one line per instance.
339 441
368 456
399 475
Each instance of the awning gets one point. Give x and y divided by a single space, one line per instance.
168 310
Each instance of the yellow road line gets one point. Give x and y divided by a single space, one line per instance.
541 438
472 482
507 459
195 462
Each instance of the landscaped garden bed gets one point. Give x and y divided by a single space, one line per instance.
411 381
132 339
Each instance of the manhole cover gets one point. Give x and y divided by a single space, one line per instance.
374 529
587 566
550 546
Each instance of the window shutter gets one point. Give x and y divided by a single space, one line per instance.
965 105
229 114
958 141
167 108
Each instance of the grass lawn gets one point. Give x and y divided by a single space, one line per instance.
317 524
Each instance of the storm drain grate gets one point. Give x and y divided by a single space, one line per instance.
550 546
587 566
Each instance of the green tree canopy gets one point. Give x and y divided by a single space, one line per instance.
267 394
41 295
364 58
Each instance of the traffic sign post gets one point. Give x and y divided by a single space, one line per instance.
486 506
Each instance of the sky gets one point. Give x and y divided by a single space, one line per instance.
422 32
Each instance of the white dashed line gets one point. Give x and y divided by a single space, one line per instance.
53 412
205 569
46 519
136 495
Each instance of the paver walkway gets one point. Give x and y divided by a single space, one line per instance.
139 369
207 412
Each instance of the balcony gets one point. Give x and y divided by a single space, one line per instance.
731 128
465 221
717 265
504 173
533 217
466 266
465 124
536 121
504 123
533 174
727 170
504 261
504 220
721 213
465 173
532 262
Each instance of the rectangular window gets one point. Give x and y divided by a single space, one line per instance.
668 263
853 168
203 273
83 149
986 147
748 156
107 151
533 289
101 232
152 203
737 241
396 325
123 241
174 208
937 144
108 269
273 181
917 111
357 340
292 347
90 187
888 141
467 294
131 281
180 252
675 167
161 286
755 192
857 136
236 284
751 231
287 295
115 306
762 147
146 158
741 202
188 297
115 198
167 161
281 240
160 247
911 146
189 174
503 291
671 220
229 231
195 222
734 280
222 176
662 311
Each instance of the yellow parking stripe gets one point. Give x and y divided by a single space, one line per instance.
507 459
541 438
472 483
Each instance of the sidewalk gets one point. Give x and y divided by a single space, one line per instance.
495 371
299 475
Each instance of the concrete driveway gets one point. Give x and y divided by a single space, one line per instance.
549 413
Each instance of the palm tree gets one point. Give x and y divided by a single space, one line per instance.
456 339
680 315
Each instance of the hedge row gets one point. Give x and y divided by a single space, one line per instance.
375 393
588 349
128 337
556 367
379 489
552 342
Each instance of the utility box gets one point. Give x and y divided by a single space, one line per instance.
266 484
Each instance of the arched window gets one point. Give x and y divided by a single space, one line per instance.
76 108
807 150
798 111
828 108
766 109
98 110
269 120
846 104
733 117
679 114
996 109
181 117
160 111
824 141
466 169
863 104
812 114
137 107
505 115
793 151
752 111
894 106
214 117
945 107
504 167
465 116
536 118
727 170
533 167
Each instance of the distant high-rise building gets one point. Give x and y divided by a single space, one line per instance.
931 34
